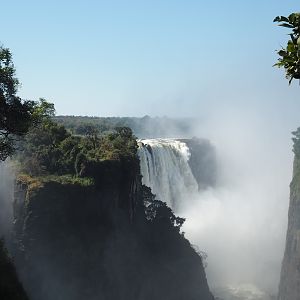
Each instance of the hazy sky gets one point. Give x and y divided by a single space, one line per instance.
166 57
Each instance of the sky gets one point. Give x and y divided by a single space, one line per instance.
135 58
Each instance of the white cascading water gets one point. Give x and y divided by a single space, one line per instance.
165 169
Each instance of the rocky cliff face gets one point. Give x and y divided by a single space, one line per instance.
10 286
95 242
289 288
202 161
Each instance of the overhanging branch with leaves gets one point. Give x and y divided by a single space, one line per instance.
290 55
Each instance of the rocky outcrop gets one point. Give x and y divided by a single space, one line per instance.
289 288
202 161
95 242
10 286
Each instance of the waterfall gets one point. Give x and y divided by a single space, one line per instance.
165 169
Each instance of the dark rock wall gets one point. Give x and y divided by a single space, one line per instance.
203 162
10 286
77 242
289 287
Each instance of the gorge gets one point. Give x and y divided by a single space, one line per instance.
220 214
289 287
60 212
91 236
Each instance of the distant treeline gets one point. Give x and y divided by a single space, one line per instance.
145 127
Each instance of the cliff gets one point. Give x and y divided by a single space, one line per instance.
99 241
289 287
203 162
10 286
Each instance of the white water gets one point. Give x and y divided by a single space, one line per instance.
165 169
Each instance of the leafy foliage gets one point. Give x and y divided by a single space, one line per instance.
15 113
290 55
49 149
158 212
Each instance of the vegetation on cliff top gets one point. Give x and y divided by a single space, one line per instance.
49 149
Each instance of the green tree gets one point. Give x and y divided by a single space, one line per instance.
42 111
92 134
290 55
158 211
15 113
42 152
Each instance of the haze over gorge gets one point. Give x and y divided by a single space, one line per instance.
228 211
68 233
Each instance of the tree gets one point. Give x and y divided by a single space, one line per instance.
290 56
158 211
15 113
92 134
42 151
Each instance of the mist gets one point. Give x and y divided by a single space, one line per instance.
6 199
241 223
